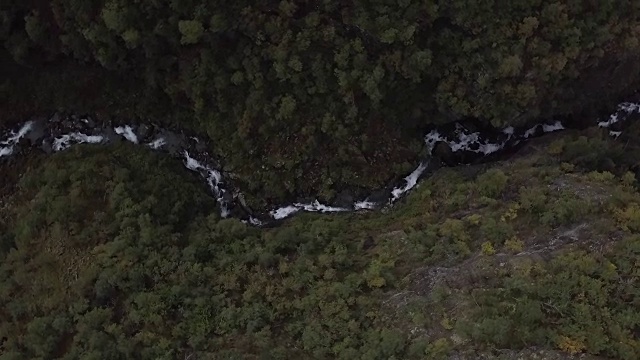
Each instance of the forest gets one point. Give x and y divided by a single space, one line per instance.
278 86
117 252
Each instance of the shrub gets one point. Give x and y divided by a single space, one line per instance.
492 183
628 178
191 31
496 231
473 219
532 199
511 213
629 218
487 248
565 209
592 153
601 176
455 230
556 147
514 245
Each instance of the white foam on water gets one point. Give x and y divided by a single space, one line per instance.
215 175
614 118
553 127
284 212
65 141
546 128
213 178
14 138
316 206
464 140
411 181
157 143
28 126
6 151
629 107
531 132
364 205
127 132
224 211
491 148
191 163
431 139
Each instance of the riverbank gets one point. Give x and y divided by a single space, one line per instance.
453 144
530 255
114 98
69 87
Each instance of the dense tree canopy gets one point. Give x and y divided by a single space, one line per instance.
284 83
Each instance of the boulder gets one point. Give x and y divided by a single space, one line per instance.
443 152
46 146
380 196
344 199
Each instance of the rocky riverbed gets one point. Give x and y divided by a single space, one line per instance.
452 144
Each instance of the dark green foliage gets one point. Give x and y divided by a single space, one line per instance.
568 208
308 88
579 301
81 212
130 263
533 199
112 254
492 183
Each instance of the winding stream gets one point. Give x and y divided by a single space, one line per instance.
59 133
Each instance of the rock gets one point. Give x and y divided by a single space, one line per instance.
380 196
467 157
305 200
243 202
23 143
46 146
67 123
37 132
173 143
443 152
433 165
227 197
344 199
111 136
55 117
200 146
90 123
143 132
470 125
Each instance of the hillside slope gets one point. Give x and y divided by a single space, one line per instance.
114 252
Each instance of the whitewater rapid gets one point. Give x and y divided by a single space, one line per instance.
59 134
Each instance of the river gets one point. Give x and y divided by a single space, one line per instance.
58 133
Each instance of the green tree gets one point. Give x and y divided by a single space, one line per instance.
191 31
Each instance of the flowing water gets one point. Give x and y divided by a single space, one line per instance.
59 133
